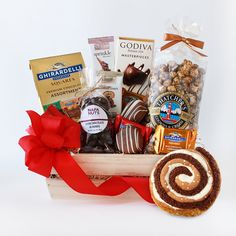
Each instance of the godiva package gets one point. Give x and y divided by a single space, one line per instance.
134 59
58 78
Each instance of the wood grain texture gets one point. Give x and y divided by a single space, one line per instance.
116 164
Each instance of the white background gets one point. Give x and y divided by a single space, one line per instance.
32 29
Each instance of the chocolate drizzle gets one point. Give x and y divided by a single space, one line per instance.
207 200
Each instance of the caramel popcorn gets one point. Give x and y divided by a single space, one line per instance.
185 81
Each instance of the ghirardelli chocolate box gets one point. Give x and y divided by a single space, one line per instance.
58 79
134 58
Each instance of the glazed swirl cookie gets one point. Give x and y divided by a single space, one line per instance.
185 182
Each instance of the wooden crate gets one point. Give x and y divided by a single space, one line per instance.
105 165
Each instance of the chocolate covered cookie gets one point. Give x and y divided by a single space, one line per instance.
185 182
129 140
135 110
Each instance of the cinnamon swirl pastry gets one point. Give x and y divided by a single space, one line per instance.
185 182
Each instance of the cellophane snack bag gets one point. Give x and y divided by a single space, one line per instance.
177 79
97 127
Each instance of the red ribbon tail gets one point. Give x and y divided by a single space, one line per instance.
141 186
77 179
73 175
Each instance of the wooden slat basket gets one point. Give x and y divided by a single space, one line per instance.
100 167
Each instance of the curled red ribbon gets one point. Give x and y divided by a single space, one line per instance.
51 137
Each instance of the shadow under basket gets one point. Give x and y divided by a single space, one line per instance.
100 167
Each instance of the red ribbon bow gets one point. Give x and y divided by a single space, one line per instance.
47 146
